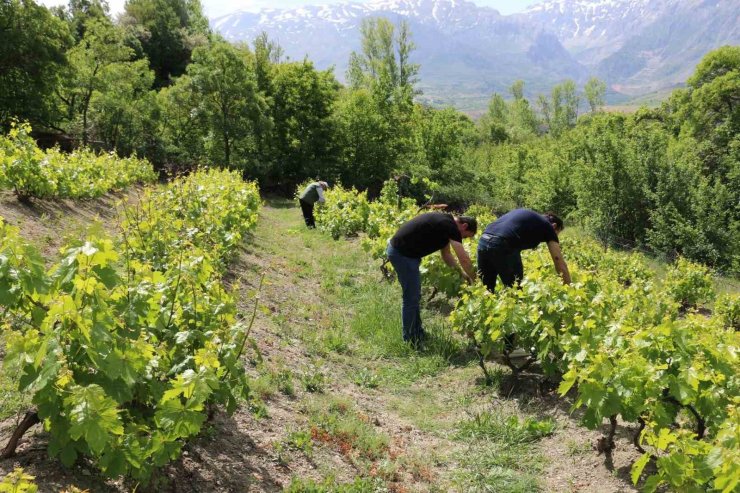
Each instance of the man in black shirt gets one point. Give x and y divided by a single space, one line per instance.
417 238
500 246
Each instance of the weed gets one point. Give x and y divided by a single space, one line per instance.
281 456
359 485
258 409
284 380
335 341
313 380
366 378
576 447
301 440
505 429
335 422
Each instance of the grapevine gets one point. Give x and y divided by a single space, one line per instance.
124 352
31 172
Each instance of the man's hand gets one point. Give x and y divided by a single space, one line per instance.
557 258
462 255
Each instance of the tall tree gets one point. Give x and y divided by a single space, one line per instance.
304 127
563 107
234 110
384 69
595 90
78 13
522 119
168 30
32 62
91 61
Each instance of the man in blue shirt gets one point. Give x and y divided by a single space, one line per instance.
500 246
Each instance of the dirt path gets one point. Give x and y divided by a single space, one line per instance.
339 400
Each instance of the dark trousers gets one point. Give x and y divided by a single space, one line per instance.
497 259
307 209
409 277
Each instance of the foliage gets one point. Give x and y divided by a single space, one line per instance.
31 172
168 30
124 345
18 482
224 84
302 140
617 336
689 284
344 213
727 308
32 62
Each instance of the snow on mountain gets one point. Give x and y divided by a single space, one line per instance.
472 50
594 29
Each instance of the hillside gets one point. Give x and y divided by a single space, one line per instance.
338 396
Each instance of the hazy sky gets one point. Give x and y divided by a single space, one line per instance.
215 8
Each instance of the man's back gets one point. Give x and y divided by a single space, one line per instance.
523 229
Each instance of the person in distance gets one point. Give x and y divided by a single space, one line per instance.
312 194
417 238
500 245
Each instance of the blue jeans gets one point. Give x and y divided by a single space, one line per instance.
497 259
409 277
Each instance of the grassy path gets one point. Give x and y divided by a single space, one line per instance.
340 403
345 402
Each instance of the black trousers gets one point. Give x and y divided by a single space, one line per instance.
307 209
497 259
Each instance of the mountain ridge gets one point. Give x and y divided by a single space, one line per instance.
636 46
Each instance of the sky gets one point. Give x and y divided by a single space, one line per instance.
215 8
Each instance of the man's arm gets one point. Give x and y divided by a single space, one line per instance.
464 258
450 261
557 258
320 190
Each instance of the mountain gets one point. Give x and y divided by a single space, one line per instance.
467 52
639 46
463 49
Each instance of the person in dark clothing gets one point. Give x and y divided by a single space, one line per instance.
417 238
312 194
500 246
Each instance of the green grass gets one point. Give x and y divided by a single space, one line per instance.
501 456
11 400
330 485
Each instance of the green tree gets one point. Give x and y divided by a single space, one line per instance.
494 123
304 128
225 85
168 31
78 13
366 160
32 63
383 68
92 62
563 109
183 124
522 122
443 137
123 113
595 90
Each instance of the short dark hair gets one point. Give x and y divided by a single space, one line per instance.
470 221
555 220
